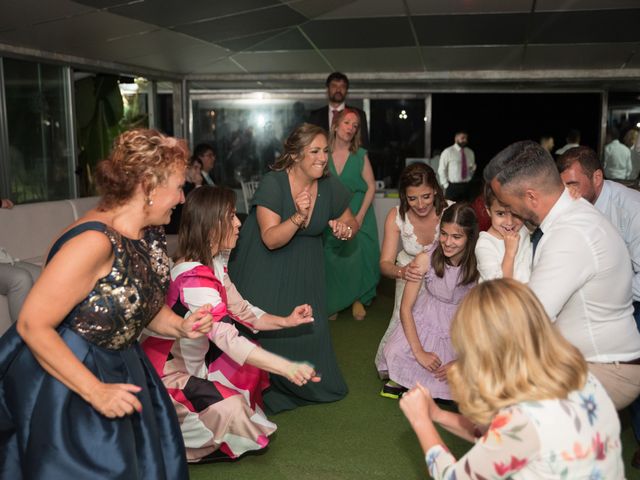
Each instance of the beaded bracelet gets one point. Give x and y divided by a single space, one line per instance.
300 222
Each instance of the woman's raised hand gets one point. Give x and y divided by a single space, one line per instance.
115 400
198 323
417 405
511 243
303 202
301 314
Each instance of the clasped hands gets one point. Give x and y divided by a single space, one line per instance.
432 363
340 230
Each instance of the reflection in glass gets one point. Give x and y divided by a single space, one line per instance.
106 105
397 133
623 125
246 133
40 158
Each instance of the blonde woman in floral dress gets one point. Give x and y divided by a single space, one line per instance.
528 400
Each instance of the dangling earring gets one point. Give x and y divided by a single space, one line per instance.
149 201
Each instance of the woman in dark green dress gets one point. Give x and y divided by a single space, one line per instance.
352 268
279 261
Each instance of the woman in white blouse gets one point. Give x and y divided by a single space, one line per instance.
528 389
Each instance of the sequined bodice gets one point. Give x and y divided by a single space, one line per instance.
123 302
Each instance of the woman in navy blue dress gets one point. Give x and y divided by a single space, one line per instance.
78 397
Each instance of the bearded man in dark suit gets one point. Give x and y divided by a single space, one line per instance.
337 89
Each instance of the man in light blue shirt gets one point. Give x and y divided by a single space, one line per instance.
581 171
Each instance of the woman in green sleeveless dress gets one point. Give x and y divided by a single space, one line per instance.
278 262
352 268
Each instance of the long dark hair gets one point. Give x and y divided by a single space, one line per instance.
464 216
206 221
415 175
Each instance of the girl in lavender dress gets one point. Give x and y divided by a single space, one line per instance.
419 349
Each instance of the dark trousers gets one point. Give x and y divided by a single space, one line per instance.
457 192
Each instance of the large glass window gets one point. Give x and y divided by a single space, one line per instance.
41 161
106 105
397 133
623 127
164 108
247 133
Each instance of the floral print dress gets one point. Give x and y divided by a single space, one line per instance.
576 437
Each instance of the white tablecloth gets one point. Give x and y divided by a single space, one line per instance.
381 206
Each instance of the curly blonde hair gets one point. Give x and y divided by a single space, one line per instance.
139 156
508 352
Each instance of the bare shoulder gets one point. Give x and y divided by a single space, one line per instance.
90 249
391 217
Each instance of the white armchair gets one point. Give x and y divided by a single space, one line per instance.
248 189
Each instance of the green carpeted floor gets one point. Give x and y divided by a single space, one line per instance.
361 437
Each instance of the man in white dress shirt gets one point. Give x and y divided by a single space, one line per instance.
581 268
617 158
456 167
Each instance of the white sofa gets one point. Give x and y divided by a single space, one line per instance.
27 231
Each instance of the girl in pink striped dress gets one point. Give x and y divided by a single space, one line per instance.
216 383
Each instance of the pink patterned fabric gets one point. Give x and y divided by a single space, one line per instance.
217 396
